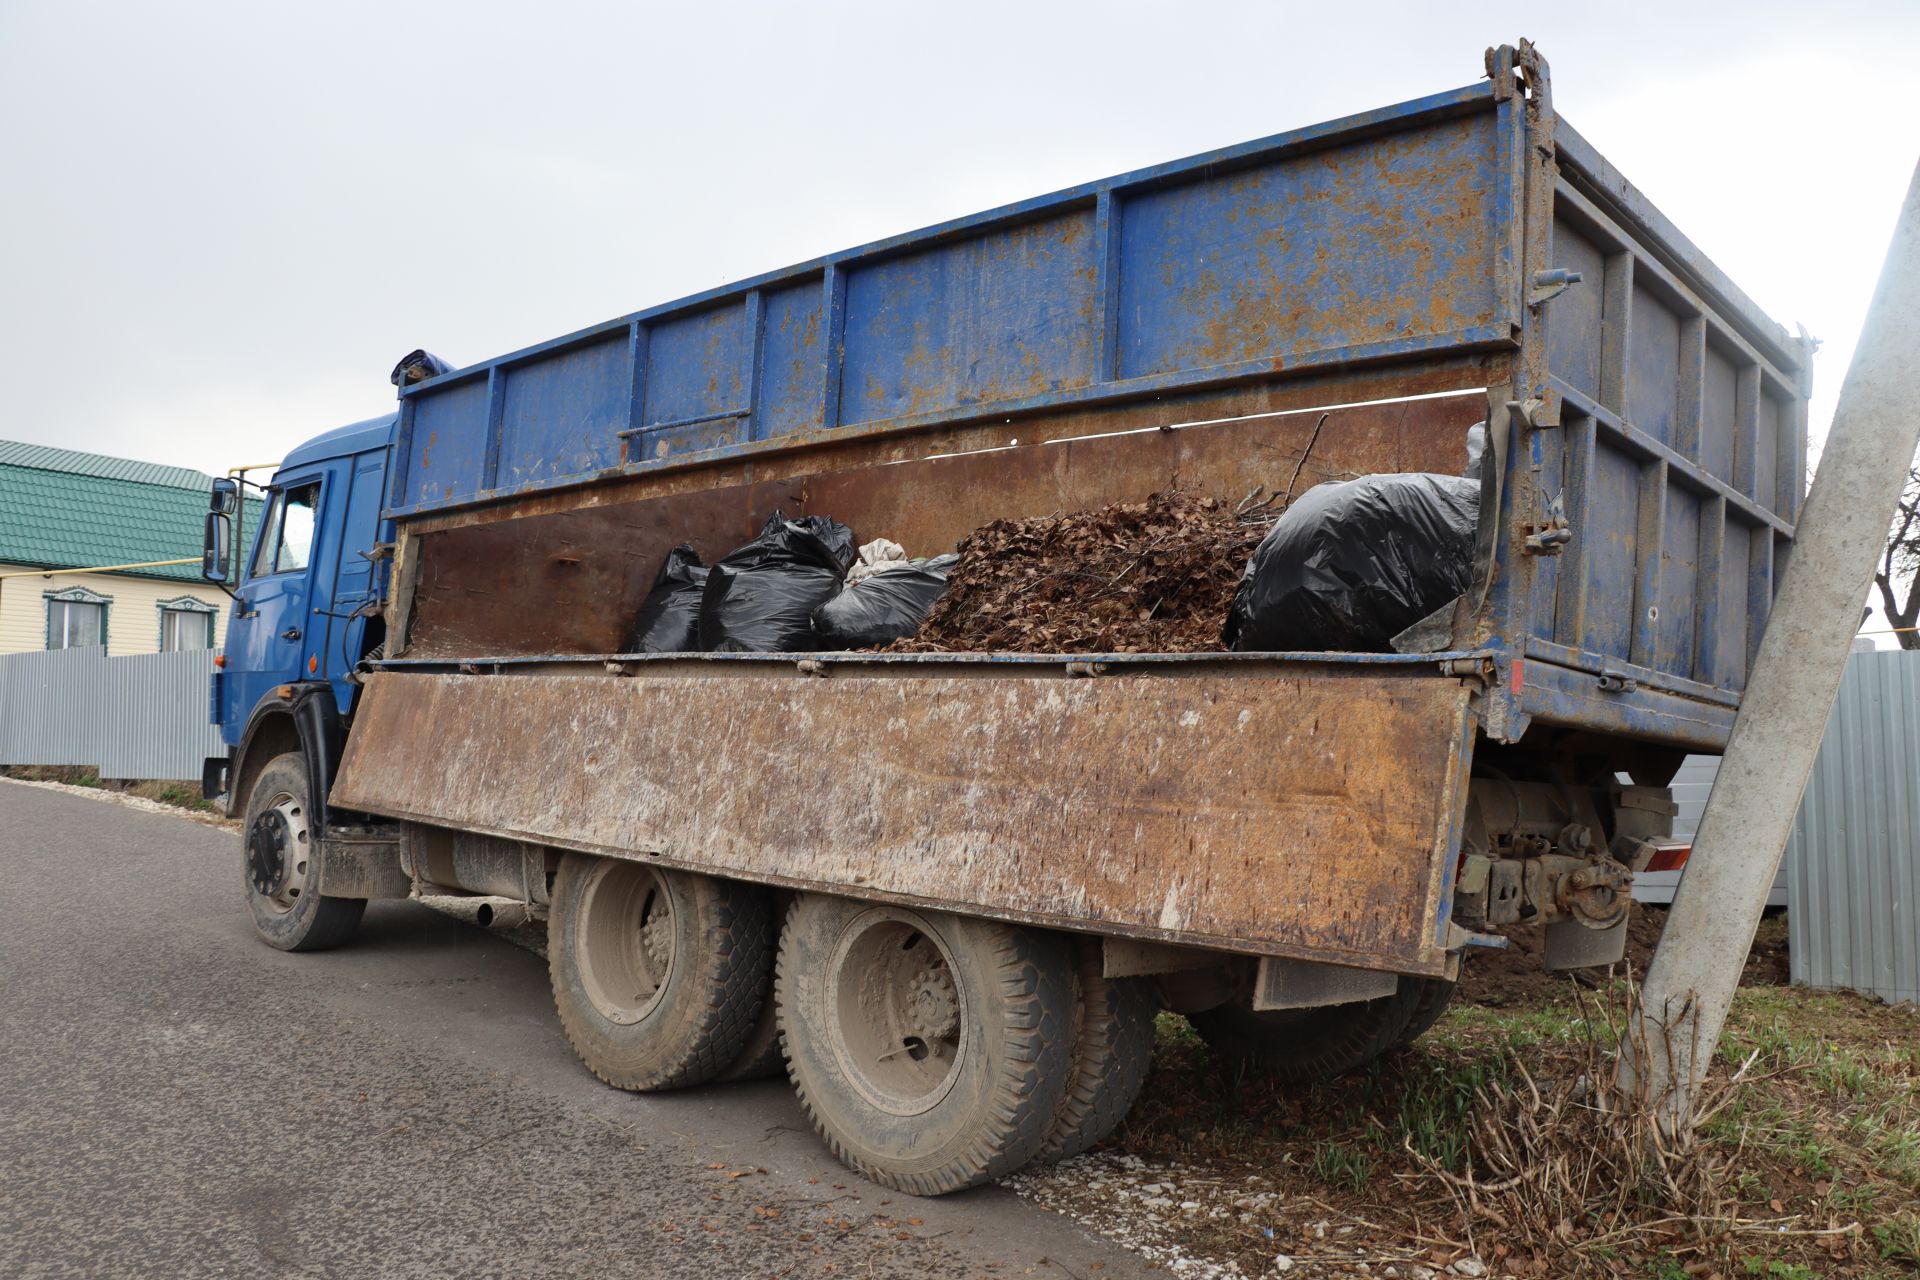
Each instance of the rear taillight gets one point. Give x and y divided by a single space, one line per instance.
1671 857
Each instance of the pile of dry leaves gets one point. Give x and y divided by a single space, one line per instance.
1134 577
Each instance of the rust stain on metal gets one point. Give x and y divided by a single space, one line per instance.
929 506
1285 275
1265 813
568 581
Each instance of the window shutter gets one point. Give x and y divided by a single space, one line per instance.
53 615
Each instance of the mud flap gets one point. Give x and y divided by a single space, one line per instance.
1571 945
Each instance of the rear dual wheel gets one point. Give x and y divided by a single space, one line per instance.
935 1052
932 1052
929 1050
1112 1052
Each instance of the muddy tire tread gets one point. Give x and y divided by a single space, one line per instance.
1112 1053
761 1057
740 940
1435 995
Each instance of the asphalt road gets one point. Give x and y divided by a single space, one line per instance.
179 1100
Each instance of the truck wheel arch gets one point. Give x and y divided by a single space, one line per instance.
303 718
270 733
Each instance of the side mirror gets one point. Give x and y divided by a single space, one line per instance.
217 546
226 496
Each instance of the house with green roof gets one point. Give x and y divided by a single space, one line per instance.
62 511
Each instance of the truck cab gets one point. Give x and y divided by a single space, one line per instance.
306 584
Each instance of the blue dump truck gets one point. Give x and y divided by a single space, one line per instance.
947 892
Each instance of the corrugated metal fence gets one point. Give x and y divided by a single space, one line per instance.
138 716
1853 917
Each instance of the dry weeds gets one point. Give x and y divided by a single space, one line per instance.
1494 1147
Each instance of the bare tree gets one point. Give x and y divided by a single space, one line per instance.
1898 573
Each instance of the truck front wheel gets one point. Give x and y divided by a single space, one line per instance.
283 862
930 1051
659 976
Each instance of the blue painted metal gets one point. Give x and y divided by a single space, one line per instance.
1662 417
273 630
356 437
1675 440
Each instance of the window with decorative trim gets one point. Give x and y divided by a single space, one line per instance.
76 618
186 623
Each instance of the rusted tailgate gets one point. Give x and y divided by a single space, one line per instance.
1296 815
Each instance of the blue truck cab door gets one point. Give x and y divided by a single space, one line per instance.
278 633
353 625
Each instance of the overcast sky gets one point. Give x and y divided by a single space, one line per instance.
221 224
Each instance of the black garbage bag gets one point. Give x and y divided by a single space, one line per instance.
669 618
1350 566
760 598
882 606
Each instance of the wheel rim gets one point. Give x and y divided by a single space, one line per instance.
624 944
279 852
899 1022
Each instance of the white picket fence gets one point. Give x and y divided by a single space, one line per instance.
133 717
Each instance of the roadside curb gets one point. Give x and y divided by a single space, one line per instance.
129 802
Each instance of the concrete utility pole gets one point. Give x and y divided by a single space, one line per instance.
1790 691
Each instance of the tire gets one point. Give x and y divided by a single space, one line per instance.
930 1051
1301 1046
760 1058
1112 1052
283 868
1435 995
658 975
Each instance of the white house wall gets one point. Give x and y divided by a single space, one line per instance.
133 619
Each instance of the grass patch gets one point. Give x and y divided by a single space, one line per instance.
1898 1239
1343 1166
1775 1269
71 775
181 795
